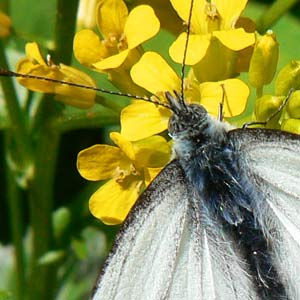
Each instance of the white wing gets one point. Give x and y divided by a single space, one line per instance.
271 160
171 248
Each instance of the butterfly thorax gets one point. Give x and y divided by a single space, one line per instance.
201 144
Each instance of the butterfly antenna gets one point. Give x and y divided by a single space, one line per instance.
221 104
182 75
8 73
280 108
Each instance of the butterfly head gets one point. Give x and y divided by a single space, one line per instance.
187 119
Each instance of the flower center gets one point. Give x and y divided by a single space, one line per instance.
212 17
116 44
121 173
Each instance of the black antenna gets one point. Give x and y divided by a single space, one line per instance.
280 108
8 73
221 104
182 75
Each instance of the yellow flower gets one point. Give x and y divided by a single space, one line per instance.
34 64
156 76
130 167
215 41
122 33
5 24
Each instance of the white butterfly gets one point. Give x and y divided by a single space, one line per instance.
221 221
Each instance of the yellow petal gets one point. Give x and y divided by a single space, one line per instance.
88 48
235 98
198 45
141 25
33 52
154 74
150 174
198 17
25 66
152 152
79 97
98 162
150 119
111 18
123 144
113 201
230 10
75 96
219 63
112 62
235 39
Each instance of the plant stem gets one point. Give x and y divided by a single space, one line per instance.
65 30
273 14
85 119
109 103
18 122
42 278
259 92
13 203
42 281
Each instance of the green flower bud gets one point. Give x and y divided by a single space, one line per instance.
293 105
291 125
264 60
265 107
288 77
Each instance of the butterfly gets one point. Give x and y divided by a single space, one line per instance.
221 220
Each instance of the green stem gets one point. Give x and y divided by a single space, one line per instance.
273 14
42 281
14 205
259 91
85 119
18 122
109 103
42 278
65 30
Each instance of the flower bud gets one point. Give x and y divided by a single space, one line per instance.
288 77
291 125
264 60
293 105
266 106
5 25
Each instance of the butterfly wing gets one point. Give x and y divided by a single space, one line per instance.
170 247
271 160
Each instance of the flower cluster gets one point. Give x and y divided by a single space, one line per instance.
221 45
